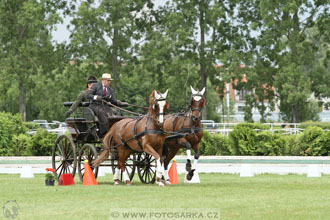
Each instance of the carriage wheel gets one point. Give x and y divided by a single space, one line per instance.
87 152
146 168
130 166
64 157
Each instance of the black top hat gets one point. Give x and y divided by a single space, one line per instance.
91 79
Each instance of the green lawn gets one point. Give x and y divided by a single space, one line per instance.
259 197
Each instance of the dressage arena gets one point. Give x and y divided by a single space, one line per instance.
262 196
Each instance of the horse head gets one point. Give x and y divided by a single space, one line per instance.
197 103
158 106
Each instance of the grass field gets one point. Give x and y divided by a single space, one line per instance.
259 197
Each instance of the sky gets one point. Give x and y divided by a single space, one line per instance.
62 34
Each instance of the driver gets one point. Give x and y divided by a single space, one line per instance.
102 91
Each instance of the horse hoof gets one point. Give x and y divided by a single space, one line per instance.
128 183
116 182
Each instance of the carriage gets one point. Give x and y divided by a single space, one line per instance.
148 135
72 149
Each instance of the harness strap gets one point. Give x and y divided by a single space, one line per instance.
190 130
136 136
174 122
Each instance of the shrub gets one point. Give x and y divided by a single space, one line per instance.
215 144
323 143
20 145
10 125
243 138
290 141
270 144
308 143
32 125
323 125
42 143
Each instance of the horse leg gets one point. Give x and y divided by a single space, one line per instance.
121 153
190 174
116 175
117 170
123 168
159 168
188 151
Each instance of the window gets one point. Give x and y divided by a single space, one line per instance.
240 108
242 93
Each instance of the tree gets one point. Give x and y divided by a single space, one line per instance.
107 33
282 59
201 31
26 48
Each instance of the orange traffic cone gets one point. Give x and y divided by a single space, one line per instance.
89 178
173 173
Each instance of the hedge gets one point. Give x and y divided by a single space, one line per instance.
14 140
10 126
245 139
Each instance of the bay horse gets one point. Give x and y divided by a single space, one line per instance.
190 124
144 134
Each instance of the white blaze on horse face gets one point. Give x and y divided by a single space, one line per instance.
197 98
161 111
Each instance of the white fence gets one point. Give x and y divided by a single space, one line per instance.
226 128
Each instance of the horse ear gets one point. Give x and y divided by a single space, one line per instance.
203 90
157 96
165 94
193 91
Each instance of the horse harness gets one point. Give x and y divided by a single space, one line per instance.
139 135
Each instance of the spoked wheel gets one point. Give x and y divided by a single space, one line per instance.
64 157
130 166
87 152
146 168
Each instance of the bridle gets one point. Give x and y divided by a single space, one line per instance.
156 102
199 109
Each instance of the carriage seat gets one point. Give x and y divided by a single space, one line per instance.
82 104
89 115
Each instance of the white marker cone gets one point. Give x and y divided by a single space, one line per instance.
26 172
101 171
313 171
246 171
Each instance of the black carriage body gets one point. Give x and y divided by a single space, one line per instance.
85 124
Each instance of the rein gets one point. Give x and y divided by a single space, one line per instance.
138 106
134 113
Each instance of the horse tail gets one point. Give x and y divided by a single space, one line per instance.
106 152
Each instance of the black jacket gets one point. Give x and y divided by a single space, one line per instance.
97 89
